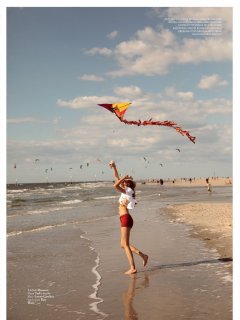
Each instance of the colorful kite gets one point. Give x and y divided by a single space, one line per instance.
119 110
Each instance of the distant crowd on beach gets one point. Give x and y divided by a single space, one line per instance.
226 180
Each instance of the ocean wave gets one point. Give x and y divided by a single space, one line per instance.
17 191
18 232
71 201
40 211
19 202
106 197
92 185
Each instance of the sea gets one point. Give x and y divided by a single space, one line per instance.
37 206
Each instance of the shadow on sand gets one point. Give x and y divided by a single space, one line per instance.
189 264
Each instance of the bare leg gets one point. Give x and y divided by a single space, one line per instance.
125 235
142 255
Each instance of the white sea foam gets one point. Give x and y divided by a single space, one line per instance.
71 201
106 197
72 187
94 305
91 185
36 212
16 233
17 191
39 211
84 237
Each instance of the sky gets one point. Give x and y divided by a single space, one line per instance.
63 62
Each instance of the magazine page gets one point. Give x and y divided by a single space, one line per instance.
119 193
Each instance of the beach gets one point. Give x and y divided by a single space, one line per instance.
65 260
211 221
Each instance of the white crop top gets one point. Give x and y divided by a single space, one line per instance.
127 198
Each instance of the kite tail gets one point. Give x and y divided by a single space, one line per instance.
159 123
186 133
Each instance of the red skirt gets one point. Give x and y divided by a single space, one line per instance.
126 220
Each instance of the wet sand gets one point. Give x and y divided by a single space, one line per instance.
184 278
48 278
81 267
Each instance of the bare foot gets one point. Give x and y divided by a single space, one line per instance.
131 271
145 260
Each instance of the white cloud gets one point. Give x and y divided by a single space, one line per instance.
178 106
185 95
146 141
129 140
152 52
84 102
91 77
153 105
128 92
212 81
101 134
170 91
101 51
216 107
120 142
225 14
113 34
23 120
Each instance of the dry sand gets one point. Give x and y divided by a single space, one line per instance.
210 221
202 182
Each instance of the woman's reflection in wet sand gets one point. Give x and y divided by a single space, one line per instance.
135 283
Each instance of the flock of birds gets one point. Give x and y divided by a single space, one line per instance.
96 161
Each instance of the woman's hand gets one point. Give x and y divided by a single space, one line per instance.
112 164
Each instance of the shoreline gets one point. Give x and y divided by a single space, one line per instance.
212 222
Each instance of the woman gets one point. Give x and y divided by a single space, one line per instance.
127 202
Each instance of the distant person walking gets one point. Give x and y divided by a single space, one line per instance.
209 187
126 186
